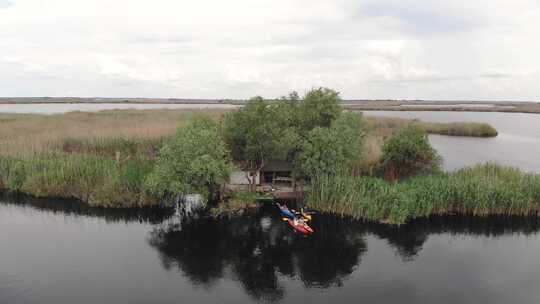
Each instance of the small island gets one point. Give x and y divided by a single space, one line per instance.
309 148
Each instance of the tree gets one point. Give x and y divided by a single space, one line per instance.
263 131
319 109
255 134
329 151
195 160
407 153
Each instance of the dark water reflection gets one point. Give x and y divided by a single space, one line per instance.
67 207
260 252
58 252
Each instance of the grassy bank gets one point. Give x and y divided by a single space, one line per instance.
100 181
481 190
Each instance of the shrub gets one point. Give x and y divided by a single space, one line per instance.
195 160
407 153
334 149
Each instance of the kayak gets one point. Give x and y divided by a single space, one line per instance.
285 211
305 215
303 229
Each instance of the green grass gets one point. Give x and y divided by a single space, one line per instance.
99 181
481 190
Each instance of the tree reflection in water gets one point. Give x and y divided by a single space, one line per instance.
258 250
408 240
151 215
261 252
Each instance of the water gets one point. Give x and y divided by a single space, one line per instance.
59 108
517 145
457 105
58 252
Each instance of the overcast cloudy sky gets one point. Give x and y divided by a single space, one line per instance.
461 49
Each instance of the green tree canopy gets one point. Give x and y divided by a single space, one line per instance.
258 132
195 160
319 109
328 151
312 134
408 152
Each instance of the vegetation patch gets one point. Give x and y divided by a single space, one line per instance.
96 180
139 158
481 190
386 126
237 204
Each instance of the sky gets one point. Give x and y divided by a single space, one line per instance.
371 49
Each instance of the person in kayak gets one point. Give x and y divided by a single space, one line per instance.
300 221
285 211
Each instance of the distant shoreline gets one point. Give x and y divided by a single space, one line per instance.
354 105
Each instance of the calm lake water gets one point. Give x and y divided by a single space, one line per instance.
517 145
55 252
88 107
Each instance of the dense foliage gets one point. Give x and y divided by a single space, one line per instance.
408 152
195 160
319 108
257 132
311 133
334 149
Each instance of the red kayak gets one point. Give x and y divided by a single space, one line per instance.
301 228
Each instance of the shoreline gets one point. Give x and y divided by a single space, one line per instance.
531 107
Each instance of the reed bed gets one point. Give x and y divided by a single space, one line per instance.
25 135
80 132
481 190
99 181
385 126
100 158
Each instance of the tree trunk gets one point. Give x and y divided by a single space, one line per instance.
391 174
250 176
211 191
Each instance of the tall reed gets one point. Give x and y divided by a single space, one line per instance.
100 181
480 190
385 126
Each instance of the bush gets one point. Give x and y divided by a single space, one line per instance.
195 160
407 153
334 149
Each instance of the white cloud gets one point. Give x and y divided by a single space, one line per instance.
5 3
239 48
